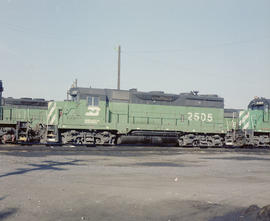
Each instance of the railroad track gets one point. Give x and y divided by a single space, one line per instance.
135 148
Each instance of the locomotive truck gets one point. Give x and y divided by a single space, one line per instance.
110 116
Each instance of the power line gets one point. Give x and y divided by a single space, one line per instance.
179 50
27 30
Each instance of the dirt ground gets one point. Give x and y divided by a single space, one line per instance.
127 184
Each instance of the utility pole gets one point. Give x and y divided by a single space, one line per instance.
119 65
1 90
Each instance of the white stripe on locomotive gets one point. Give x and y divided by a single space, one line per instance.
244 119
51 111
53 119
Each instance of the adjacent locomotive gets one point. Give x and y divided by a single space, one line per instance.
255 122
22 120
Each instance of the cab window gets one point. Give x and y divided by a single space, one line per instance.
92 101
257 107
96 101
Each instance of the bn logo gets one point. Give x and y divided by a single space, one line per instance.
92 111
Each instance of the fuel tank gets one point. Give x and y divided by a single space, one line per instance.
146 140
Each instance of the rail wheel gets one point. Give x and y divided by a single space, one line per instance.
180 142
3 140
195 143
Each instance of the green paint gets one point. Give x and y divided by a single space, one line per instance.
125 117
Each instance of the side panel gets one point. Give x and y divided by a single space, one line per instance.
231 124
266 113
126 117
7 116
254 120
78 115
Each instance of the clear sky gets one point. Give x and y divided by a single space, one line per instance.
214 46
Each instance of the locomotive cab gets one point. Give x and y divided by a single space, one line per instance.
92 104
260 104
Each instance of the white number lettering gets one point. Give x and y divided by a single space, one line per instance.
210 117
196 116
189 116
203 116
200 116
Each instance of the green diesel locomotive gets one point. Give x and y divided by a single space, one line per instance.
108 116
255 122
22 120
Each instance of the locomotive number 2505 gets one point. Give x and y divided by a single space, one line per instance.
200 116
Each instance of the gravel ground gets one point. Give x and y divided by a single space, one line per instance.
133 183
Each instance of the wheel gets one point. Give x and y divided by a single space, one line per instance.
78 141
195 143
3 139
180 142
210 143
98 141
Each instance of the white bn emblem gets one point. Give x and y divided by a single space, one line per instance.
92 111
